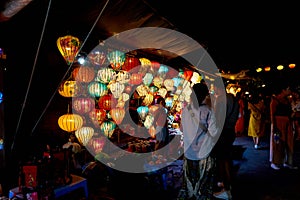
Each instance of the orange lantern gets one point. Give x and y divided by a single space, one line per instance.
117 114
131 63
97 116
83 104
84 134
69 89
83 74
136 79
68 46
187 75
70 122
107 102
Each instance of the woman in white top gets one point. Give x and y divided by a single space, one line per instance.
200 134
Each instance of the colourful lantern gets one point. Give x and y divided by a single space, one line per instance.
97 116
1 97
97 89
153 89
169 84
117 114
148 99
70 122
143 111
131 63
196 78
83 104
107 102
68 46
187 75
116 59
69 89
116 89
162 71
83 74
97 144
106 75
97 58
108 128
136 79
84 134
155 65
147 80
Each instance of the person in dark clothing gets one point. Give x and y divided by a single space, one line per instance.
224 147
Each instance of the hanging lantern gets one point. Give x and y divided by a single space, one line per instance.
97 89
116 89
97 144
68 46
1 97
147 80
123 77
107 102
143 111
69 89
148 121
108 128
84 134
70 122
148 99
83 74
97 116
117 114
145 65
136 79
130 64
187 75
153 89
162 71
116 59
196 78
106 75
169 84
97 58
169 101
158 81
155 65
83 104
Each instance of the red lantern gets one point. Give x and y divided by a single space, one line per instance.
117 114
107 102
131 63
187 74
83 74
97 116
136 79
83 104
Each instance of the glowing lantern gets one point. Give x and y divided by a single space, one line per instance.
169 101
68 46
117 114
267 68
1 97
97 144
196 78
292 66
145 65
83 74
69 89
70 122
116 89
162 71
143 111
106 75
158 81
187 75
108 128
148 121
147 80
123 76
153 89
97 89
148 99
97 116
83 104
131 63
84 134
155 65
107 102
136 79
116 59
169 84
97 58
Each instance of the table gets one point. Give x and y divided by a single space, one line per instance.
77 183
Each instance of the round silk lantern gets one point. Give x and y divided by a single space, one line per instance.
97 144
143 111
187 75
108 128
70 122
83 104
68 46
97 89
107 102
97 58
136 79
116 89
97 116
69 88
84 134
116 59
131 63
106 75
117 114
83 74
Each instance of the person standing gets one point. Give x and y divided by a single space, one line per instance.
200 134
225 104
256 125
282 138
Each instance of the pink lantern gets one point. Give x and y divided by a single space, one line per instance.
83 104
97 144
83 74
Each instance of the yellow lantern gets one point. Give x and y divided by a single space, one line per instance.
84 134
70 122
69 89
68 47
